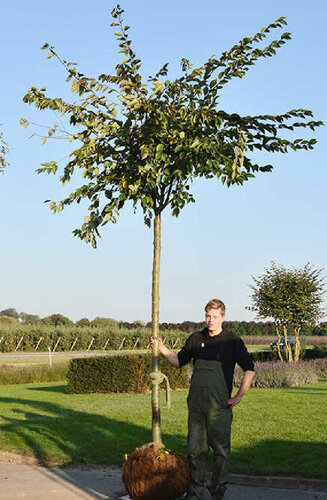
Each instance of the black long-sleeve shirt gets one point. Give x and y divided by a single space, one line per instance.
225 347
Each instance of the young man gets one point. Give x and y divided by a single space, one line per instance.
215 352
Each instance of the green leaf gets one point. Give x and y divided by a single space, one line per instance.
195 143
159 151
24 122
144 151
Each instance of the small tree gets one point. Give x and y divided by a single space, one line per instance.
146 142
292 298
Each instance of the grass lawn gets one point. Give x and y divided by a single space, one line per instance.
257 347
275 431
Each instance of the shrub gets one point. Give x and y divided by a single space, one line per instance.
317 352
125 373
282 374
272 355
320 367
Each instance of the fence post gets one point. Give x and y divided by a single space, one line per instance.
57 343
175 343
50 358
20 341
73 344
90 344
135 344
105 345
122 343
37 345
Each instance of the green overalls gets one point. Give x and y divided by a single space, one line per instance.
209 424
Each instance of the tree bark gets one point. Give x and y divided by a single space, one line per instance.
297 351
288 348
156 431
278 343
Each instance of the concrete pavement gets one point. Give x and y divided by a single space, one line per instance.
32 482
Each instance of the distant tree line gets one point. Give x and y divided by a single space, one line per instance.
242 328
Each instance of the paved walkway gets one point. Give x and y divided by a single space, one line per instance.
31 482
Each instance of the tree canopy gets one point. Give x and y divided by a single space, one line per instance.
146 141
57 320
10 313
291 297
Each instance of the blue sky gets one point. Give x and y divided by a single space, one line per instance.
216 244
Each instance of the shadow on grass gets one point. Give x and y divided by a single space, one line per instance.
54 388
309 390
286 458
51 433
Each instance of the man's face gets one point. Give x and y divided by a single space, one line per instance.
214 319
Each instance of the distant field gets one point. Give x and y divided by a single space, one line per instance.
63 357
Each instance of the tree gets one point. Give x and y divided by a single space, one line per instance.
28 319
57 320
10 313
83 322
104 323
292 298
146 142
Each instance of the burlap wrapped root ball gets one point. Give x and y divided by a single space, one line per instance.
153 473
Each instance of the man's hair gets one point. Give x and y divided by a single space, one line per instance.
215 304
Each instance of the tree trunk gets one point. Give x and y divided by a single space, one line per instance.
278 342
288 348
156 431
297 351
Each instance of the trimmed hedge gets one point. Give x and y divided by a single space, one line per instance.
272 355
124 373
317 352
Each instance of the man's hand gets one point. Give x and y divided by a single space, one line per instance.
160 342
245 384
235 400
170 356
